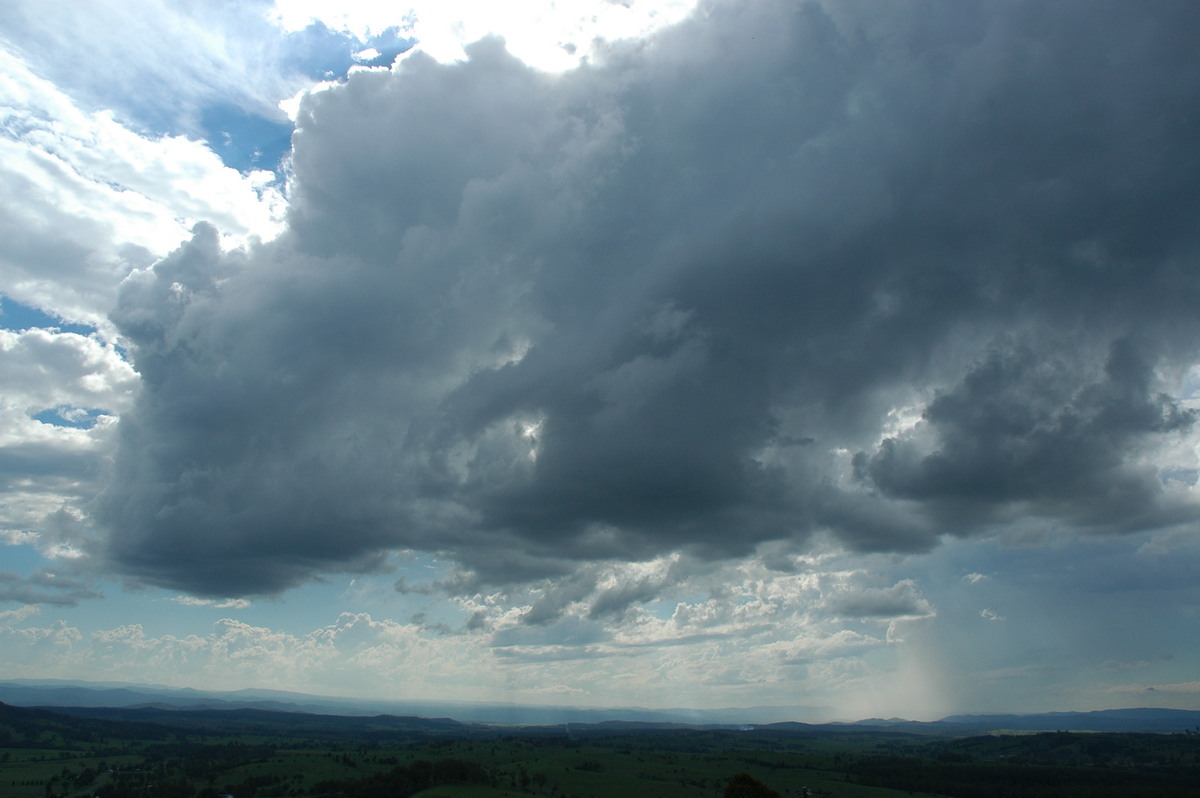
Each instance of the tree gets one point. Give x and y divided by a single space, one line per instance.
743 785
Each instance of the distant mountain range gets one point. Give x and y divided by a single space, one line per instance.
61 693
57 693
1142 719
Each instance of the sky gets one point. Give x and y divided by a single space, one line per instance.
837 356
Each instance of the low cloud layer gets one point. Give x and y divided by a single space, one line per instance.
763 629
782 271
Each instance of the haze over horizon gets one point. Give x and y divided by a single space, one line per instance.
839 354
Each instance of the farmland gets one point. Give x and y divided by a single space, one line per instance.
257 754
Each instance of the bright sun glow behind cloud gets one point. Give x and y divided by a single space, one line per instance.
549 36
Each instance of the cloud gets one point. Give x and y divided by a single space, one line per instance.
85 198
778 274
40 645
18 615
744 611
604 591
230 604
1174 688
160 61
352 649
57 425
548 36
901 600
1023 429
46 586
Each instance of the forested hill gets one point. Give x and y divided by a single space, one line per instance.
53 727
153 752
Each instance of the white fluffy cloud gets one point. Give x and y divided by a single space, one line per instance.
86 199
57 421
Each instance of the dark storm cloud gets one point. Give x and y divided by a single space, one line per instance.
669 302
1026 428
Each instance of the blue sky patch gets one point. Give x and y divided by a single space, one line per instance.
15 316
68 416
247 141
243 140
388 45
322 54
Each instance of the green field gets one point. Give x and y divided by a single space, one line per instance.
512 767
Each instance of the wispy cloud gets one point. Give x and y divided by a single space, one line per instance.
228 604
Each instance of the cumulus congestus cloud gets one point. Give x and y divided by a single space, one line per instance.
782 270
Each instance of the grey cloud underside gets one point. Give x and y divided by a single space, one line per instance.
667 302
902 600
1025 428
44 587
